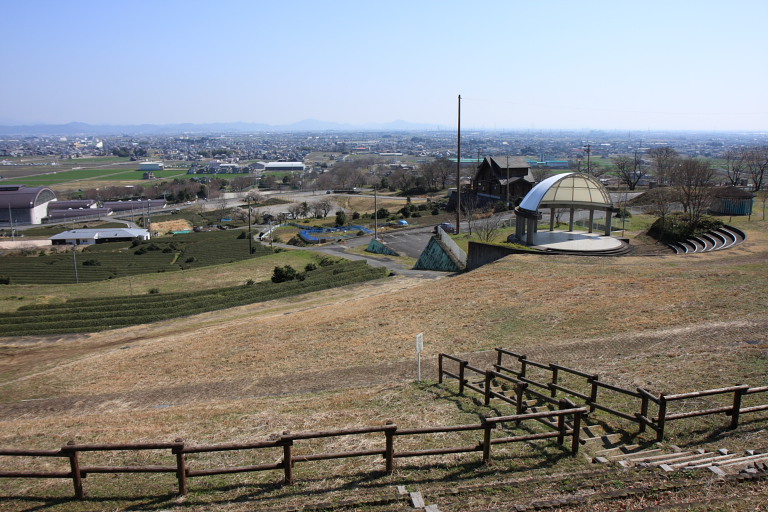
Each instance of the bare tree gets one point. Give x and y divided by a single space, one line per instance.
734 166
445 170
596 170
403 179
662 199
430 174
663 159
539 174
470 208
559 212
295 210
756 161
322 207
693 179
629 169
254 196
488 227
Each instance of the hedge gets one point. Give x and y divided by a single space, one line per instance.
89 315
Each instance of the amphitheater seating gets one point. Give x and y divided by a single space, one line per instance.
716 240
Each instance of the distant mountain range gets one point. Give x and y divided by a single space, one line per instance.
307 125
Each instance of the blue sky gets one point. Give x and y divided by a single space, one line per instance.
617 64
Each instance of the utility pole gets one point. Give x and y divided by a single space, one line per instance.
507 181
74 258
375 216
10 221
589 150
250 237
458 174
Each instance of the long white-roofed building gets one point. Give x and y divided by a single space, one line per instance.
285 166
99 236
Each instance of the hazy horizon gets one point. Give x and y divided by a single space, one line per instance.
555 65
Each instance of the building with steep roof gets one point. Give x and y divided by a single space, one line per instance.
507 179
20 204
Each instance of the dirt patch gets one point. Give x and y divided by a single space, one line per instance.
171 225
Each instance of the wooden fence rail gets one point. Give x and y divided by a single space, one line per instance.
526 386
286 442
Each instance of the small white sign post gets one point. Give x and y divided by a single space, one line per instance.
419 348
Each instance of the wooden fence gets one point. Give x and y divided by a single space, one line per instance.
593 390
183 469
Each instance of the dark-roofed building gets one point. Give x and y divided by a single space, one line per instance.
20 204
731 201
72 204
505 179
134 206
78 213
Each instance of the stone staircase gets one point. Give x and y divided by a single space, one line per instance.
608 448
611 448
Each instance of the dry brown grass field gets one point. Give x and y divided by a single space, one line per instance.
346 357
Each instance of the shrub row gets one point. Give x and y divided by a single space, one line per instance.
76 316
107 261
132 302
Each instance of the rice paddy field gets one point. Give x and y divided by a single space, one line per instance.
346 358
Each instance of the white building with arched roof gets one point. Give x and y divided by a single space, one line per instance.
572 191
20 204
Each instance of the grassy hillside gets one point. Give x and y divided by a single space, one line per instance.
346 357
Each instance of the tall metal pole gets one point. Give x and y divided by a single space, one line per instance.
250 237
458 175
507 181
10 221
375 216
74 257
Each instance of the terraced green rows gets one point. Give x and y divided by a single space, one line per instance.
90 315
111 260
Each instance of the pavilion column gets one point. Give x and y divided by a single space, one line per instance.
531 230
570 220
519 227
591 219
551 219
607 222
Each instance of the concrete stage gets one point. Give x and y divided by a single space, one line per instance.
574 241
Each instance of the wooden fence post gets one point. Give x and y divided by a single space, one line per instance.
498 357
389 449
488 379
74 464
523 364
462 366
440 368
487 426
661 420
593 394
576 437
737 394
288 460
561 422
519 397
181 467
643 412
552 390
